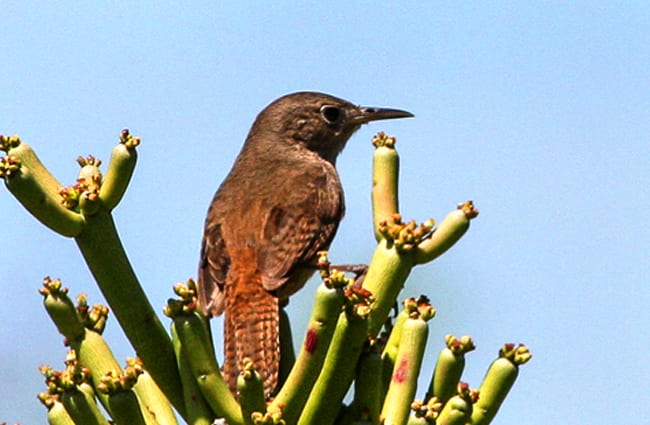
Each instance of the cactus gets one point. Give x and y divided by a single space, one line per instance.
350 340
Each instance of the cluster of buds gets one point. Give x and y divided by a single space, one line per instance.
460 345
84 194
115 381
8 142
332 278
382 139
186 302
74 374
94 317
419 308
405 236
128 140
267 418
429 410
358 300
9 165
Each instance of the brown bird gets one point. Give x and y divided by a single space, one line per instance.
281 203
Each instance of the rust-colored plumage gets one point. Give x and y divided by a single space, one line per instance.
281 203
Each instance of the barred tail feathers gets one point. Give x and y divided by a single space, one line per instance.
251 331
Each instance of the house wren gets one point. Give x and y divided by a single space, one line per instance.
281 203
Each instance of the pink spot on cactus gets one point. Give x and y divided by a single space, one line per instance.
311 341
401 373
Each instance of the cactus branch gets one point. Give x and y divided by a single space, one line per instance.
408 360
340 346
498 380
368 388
458 410
197 410
325 314
449 368
251 391
83 212
34 187
197 349
107 260
349 337
120 170
385 175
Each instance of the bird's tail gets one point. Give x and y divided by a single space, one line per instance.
251 331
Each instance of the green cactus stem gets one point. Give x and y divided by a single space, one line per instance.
368 391
61 309
251 391
447 233
497 382
334 380
106 258
81 408
389 352
79 211
71 386
458 409
125 409
326 311
120 170
403 246
103 251
56 413
418 420
34 187
384 180
90 348
408 361
153 402
385 278
196 347
287 351
449 368
94 353
198 411
123 403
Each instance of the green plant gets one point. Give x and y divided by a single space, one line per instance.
350 337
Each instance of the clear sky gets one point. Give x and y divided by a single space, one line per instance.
538 111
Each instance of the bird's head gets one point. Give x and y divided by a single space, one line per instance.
318 122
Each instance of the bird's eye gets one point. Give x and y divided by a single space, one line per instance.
331 114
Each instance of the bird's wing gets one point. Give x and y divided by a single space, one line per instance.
213 268
292 235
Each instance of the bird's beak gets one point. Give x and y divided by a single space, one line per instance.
371 113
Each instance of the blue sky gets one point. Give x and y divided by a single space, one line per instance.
540 113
